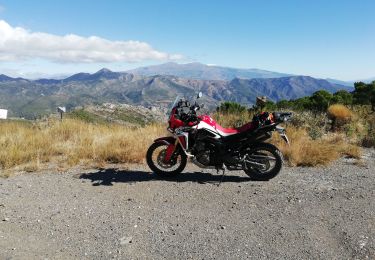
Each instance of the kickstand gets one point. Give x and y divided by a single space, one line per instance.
222 176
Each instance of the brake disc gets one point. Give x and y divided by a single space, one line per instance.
161 162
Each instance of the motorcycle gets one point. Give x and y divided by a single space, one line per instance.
212 146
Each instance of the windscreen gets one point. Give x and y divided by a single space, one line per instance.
174 104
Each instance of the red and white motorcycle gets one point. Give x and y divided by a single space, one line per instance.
209 145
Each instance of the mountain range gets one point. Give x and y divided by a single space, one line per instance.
198 70
30 98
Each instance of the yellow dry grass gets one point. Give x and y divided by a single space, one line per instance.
339 112
71 142
31 146
303 151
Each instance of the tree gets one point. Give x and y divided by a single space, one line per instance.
372 97
284 104
269 106
321 100
231 107
302 103
361 93
342 97
364 94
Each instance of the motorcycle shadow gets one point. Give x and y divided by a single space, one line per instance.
107 177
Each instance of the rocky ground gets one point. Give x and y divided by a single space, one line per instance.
129 213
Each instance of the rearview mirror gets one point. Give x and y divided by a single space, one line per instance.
199 95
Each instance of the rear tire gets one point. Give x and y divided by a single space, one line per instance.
261 149
152 163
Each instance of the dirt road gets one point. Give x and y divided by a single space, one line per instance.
304 213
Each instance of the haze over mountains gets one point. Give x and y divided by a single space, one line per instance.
147 87
198 70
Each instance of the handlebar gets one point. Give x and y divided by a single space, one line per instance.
188 117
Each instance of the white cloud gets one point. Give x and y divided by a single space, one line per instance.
17 43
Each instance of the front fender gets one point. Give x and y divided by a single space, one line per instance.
170 141
166 140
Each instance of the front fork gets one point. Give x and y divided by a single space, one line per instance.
169 152
172 144
181 142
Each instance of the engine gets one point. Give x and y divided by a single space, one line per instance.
202 153
204 148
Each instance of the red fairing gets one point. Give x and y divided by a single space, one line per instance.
245 127
208 120
173 121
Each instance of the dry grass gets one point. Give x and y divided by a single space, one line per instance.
340 116
303 151
71 142
31 146
339 112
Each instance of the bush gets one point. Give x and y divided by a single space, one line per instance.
340 115
320 100
342 97
364 94
231 107
369 140
303 151
339 112
316 124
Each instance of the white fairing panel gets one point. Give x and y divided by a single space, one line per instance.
203 125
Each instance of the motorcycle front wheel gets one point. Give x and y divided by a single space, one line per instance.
155 160
263 161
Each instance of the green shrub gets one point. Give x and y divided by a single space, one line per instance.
231 107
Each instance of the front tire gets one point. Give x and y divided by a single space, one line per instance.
155 155
264 162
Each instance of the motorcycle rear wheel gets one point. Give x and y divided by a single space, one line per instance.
155 156
264 162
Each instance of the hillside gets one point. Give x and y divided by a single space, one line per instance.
28 98
198 70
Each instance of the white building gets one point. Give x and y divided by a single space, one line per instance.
3 113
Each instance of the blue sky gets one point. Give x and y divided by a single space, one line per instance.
334 39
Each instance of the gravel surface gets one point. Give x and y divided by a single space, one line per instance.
304 213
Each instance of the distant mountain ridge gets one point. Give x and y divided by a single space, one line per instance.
29 98
197 70
202 71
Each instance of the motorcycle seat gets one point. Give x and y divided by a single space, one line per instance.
231 131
